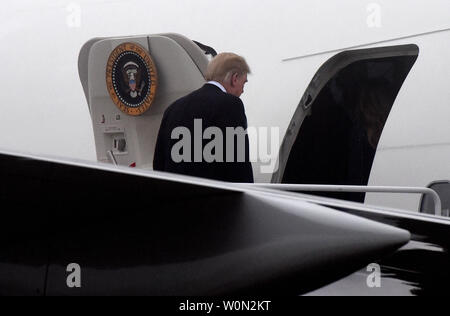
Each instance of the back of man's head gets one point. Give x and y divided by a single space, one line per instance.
224 66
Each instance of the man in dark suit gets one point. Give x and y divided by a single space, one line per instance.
213 124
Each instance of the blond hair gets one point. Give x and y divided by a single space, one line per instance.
224 66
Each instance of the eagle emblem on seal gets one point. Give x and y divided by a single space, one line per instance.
131 78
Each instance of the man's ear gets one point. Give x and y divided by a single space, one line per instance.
234 79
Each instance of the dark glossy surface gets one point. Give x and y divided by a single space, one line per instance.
420 268
150 234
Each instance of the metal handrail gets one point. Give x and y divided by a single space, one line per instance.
356 189
112 158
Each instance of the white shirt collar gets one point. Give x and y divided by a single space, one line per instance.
217 84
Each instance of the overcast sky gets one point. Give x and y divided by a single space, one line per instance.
43 109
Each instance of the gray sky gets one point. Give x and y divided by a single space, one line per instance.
43 109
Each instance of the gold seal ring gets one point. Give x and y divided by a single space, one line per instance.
131 78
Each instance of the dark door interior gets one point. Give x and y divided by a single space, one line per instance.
337 141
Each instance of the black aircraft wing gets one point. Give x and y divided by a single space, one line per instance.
135 232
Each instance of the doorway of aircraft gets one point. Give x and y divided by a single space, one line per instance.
334 134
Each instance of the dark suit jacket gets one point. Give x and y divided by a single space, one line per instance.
216 109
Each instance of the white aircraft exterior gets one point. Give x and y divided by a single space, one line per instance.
295 50
285 43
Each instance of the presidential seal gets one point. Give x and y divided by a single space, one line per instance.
131 78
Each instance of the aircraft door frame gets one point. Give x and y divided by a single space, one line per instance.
326 73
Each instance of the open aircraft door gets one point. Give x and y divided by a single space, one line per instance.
129 82
333 136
